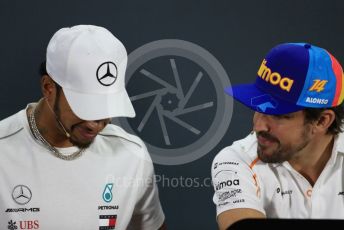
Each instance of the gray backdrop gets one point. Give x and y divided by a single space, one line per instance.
237 33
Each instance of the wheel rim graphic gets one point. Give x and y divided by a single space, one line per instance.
186 113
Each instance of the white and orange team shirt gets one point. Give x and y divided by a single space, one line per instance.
111 186
241 180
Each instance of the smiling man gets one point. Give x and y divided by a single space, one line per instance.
291 165
63 166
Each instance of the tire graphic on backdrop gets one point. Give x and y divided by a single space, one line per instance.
177 90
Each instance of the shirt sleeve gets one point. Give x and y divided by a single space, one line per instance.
148 213
235 183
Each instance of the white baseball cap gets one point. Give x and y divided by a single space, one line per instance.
89 63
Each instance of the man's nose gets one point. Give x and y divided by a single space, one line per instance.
261 122
96 125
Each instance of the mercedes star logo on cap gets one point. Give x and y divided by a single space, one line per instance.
21 194
107 73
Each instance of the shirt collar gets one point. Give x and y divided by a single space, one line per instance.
338 148
339 143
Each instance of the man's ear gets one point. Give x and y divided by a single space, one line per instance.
48 86
325 120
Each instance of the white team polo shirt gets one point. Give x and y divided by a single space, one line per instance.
277 190
111 186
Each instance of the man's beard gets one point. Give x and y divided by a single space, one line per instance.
80 144
72 138
282 152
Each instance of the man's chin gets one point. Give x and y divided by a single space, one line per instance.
81 144
264 151
266 155
270 157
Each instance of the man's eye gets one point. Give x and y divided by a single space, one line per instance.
283 116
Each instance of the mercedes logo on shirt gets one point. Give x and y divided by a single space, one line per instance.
21 194
107 73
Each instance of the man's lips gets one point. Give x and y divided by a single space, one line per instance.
264 140
86 133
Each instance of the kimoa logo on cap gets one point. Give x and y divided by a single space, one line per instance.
274 78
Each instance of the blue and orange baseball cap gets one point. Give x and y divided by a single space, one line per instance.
292 77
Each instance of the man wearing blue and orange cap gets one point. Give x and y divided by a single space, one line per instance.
291 165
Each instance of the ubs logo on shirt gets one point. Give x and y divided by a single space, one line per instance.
23 224
12 225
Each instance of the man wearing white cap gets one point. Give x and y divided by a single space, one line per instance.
63 166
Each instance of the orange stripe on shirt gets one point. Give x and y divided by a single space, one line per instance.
255 177
254 162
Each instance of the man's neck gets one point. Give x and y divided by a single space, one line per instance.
48 126
311 161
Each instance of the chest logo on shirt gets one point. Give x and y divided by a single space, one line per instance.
21 194
12 225
107 194
107 222
23 224
285 192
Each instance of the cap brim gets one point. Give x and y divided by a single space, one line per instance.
262 102
92 107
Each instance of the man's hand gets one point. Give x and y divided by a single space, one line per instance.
227 218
